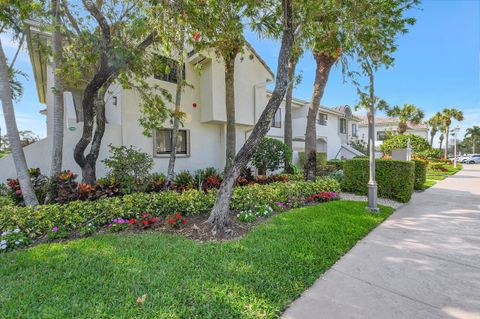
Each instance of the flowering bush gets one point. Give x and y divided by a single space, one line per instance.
39 184
252 214
57 233
323 197
176 220
119 224
12 239
291 202
145 220
66 187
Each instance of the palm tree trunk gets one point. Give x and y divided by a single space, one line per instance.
176 116
288 138
324 61
447 130
432 135
230 108
12 132
219 214
58 107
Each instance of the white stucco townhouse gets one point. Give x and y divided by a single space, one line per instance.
202 138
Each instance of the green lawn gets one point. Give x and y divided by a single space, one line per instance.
428 184
254 277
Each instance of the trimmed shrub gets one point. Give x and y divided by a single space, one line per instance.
395 179
338 163
418 143
420 173
325 170
38 220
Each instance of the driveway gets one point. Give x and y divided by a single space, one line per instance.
423 262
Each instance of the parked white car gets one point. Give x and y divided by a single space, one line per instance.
474 159
463 158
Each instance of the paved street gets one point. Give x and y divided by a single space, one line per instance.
423 262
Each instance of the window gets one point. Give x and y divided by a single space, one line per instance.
164 142
354 130
169 65
343 126
322 119
381 135
277 119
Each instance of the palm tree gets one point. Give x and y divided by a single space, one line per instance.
406 113
447 116
474 134
434 123
441 138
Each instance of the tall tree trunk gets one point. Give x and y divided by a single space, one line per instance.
288 138
176 117
441 141
219 214
432 135
324 61
93 105
12 132
230 109
58 107
447 131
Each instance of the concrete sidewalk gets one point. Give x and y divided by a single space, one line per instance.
423 262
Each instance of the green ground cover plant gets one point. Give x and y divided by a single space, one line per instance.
256 276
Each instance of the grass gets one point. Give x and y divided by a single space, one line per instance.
256 276
434 175
428 184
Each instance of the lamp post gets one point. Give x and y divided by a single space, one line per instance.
454 134
372 183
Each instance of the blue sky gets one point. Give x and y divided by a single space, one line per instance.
437 65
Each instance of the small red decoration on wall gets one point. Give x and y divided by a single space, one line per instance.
194 105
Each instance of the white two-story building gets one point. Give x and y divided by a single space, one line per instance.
201 141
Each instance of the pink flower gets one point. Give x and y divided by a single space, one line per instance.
55 229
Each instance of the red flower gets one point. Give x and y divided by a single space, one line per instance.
339 51
144 214
196 36
153 220
184 221
131 221
171 221
178 216
145 222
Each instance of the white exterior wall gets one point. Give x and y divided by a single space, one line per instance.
329 133
363 132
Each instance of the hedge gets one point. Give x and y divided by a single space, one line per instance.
395 179
420 173
338 163
36 221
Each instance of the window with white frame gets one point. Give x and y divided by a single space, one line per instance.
381 135
168 70
343 126
163 140
277 119
322 119
354 129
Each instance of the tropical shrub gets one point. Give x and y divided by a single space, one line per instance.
208 178
67 187
39 184
155 183
252 214
271 155
183 181
420 173
418 143
13 239
395 179
37 221
128 161
432 153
